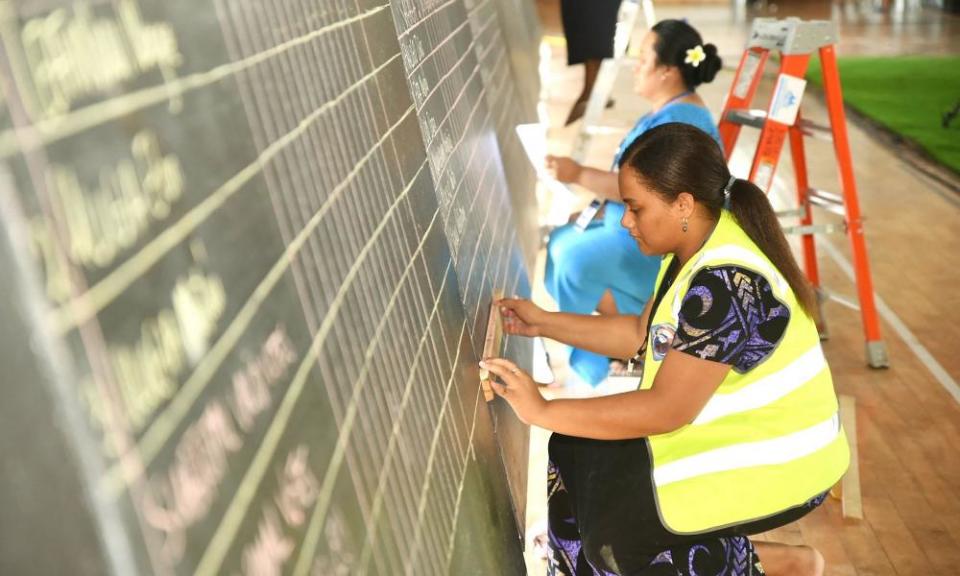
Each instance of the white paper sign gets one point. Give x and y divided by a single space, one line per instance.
786 99
533 138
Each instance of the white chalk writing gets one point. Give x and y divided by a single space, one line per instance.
74 53
251 386
147 373
183 493
296 493
338 560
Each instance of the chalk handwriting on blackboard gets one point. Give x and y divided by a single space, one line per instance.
296 492
184 492
73 54
148 371
339 560
108 215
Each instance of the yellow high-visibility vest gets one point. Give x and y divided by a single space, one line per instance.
768 440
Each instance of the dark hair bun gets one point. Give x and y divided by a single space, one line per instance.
674 38
710 66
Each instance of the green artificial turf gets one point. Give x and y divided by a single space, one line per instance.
907 94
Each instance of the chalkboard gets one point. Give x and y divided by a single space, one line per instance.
248 249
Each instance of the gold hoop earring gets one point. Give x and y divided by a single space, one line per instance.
684 223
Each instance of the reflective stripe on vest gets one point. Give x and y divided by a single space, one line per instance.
766 390
766 452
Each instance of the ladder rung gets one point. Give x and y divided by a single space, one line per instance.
827 200
814 130
814 229
825 196
756 118
791 213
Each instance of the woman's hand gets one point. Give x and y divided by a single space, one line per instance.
564 169
521 317
517 388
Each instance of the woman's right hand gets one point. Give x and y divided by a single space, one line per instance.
563 168
521 316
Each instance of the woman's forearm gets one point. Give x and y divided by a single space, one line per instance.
616 336
635 414
681 388
603 183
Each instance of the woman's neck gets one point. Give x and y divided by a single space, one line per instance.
699 232
668 95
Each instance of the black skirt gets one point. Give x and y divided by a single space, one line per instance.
603 519
589 26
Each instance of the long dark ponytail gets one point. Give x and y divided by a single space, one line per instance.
674 158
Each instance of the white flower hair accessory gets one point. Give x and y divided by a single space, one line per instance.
695 56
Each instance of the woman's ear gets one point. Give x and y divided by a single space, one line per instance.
684 204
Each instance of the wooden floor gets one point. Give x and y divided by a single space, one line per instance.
908 426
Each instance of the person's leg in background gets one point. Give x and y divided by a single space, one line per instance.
590 70
598 269
589 27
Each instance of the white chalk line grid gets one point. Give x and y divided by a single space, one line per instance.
501 95
165 424
231 521
456 467
350 334
350 57
441 325
483 57
167 92
453 201
50 130
500 76
447 483
455 436
442 84
388 461
321 507
419 65
100 295
408 26
277 171
477 311
284 168
370 455
280 170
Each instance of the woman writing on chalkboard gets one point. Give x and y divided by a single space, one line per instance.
733 429
599 267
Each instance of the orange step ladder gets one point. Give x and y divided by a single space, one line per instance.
796 40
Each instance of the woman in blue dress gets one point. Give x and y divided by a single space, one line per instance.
600 268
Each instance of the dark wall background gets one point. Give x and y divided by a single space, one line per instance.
248 249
